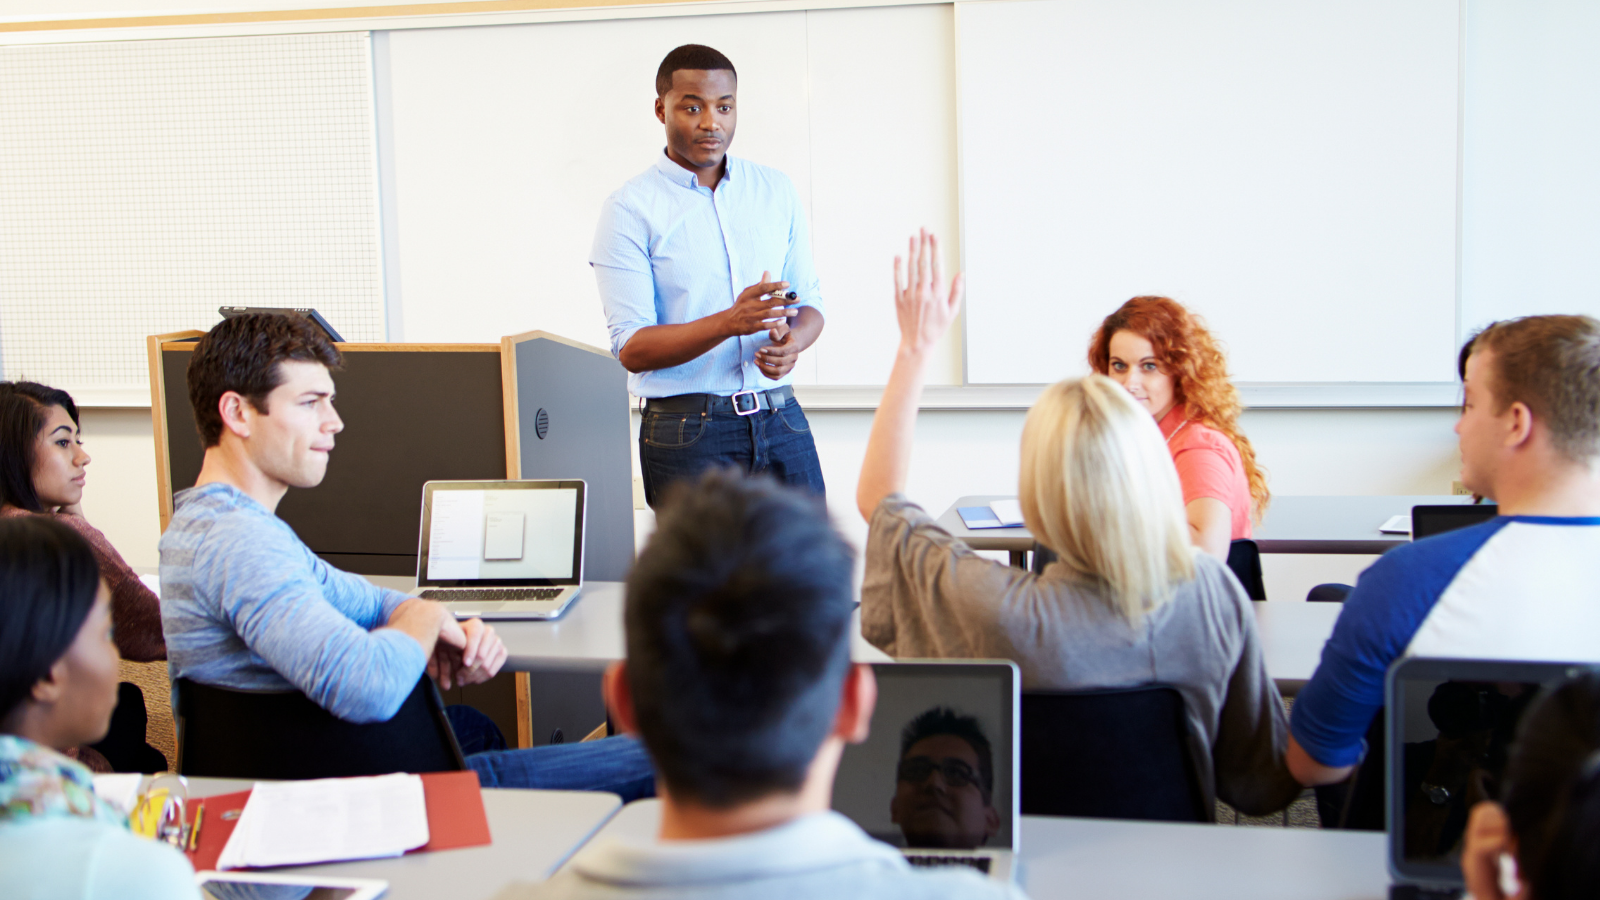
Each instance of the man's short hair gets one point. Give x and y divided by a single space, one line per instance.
944 720
690 56
242 355
1552 365
738 616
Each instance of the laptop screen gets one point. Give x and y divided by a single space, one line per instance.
938 769
477 533
1427 521
1450 727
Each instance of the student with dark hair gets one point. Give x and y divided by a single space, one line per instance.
944 785
738 678
691 257
1519 586
42 472
247 605
1548 819
58 684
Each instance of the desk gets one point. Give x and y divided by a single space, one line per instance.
1063 857
1308 524
1292 635
588 636
534 833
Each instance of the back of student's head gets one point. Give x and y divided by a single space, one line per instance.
1552 792
1551 364
22 417
1098 487
241 355
738 616
48 582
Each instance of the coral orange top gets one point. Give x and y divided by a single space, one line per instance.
1208 466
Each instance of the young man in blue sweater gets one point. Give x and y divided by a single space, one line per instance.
246 604
1518 587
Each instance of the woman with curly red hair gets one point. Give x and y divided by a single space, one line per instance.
1164 356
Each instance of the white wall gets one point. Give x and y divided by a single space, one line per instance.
1400 451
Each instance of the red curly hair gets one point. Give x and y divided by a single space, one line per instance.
1199 372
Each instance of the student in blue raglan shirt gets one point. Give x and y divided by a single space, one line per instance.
1522 586
246 604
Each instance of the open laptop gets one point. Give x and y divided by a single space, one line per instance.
502 549
1450 724
938 801
1427 521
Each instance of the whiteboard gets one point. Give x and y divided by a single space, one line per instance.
1287 169
143 184
1531 222
506 140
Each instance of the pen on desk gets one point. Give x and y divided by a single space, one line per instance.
194 832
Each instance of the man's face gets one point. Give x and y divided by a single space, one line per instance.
939 799
1482 433
700 115
290 439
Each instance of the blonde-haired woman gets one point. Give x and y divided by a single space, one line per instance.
1128 602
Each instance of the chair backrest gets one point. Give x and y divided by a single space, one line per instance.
1119 753
1042 556
228 733
1244 558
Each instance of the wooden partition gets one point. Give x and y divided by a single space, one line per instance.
412 413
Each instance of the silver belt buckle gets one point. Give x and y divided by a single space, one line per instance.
738 408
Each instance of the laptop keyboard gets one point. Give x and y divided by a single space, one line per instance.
457 594
981 863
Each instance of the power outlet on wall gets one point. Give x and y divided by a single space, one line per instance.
1457 489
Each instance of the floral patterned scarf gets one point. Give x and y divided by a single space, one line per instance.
37 782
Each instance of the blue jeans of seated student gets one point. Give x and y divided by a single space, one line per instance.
619 765
776 442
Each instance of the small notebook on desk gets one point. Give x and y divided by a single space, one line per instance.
998 514
453 800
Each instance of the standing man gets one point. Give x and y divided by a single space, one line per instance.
696 258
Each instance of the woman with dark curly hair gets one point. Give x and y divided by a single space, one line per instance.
1164 356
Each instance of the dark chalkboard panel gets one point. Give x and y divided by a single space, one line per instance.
412 413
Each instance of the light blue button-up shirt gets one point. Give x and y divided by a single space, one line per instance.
669 251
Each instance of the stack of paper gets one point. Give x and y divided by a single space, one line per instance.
998 514
299 822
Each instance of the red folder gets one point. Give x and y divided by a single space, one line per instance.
455 817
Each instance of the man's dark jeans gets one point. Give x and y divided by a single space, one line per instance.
683 444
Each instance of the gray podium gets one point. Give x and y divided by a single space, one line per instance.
567 417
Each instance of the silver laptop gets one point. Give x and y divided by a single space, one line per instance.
502 549
938 775
1450 723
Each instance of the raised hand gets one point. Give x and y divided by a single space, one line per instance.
922 305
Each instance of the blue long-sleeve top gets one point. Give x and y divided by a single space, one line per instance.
246 604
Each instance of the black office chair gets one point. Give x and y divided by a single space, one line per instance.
1244 558
1359 802
228 733
1118 753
